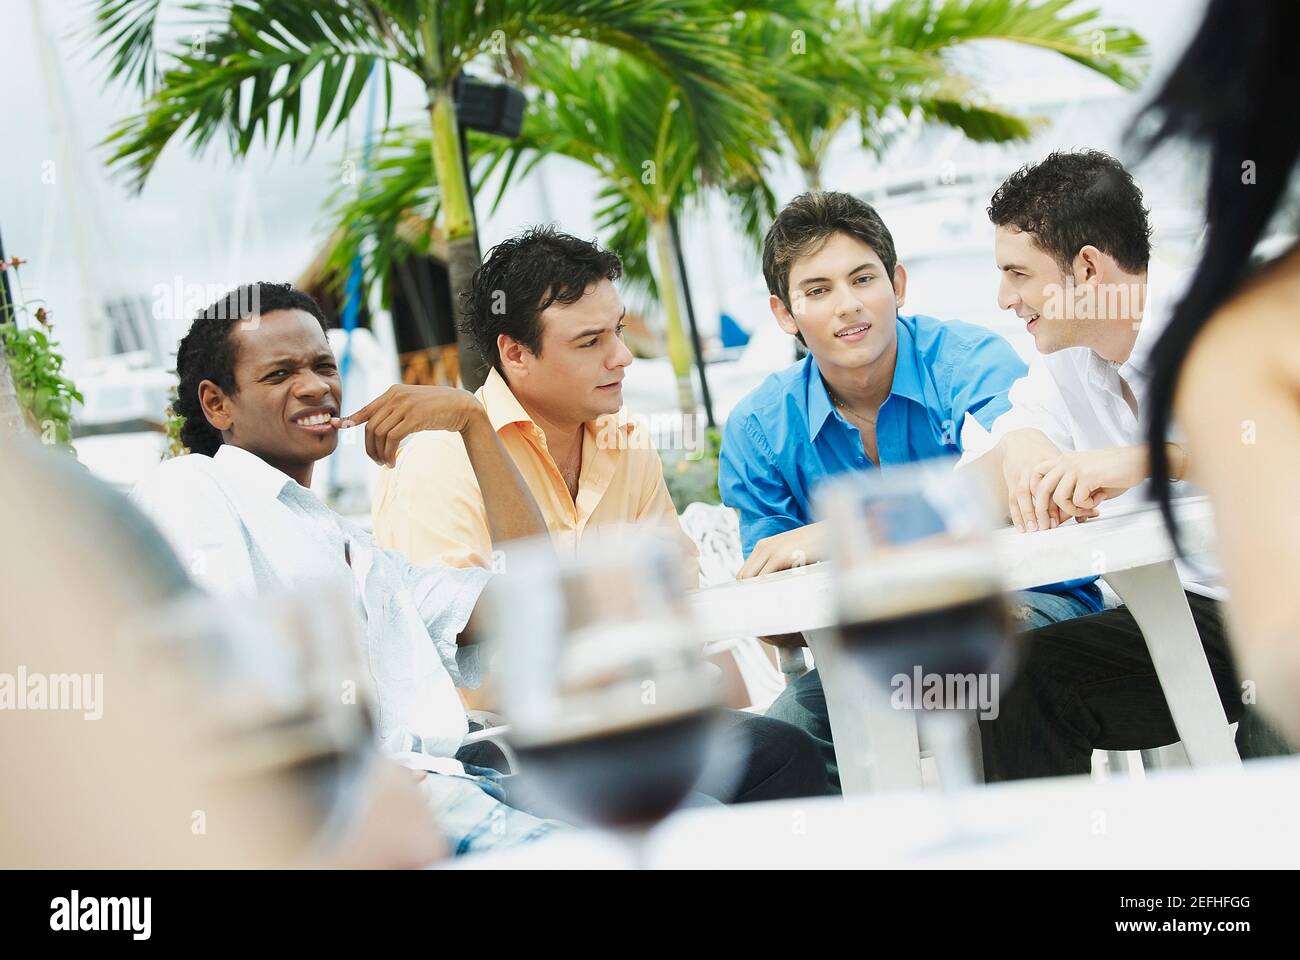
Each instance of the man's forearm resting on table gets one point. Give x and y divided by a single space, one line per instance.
512 513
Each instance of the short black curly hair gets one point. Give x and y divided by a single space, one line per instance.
207 352
1075 198
524 275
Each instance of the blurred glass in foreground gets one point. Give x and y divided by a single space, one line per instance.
920 599
610 702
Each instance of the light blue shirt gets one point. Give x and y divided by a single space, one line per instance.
786 437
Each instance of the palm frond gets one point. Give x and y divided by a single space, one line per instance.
387 216
689 41
1057 25
248 79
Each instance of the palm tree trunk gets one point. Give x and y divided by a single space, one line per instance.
458 228
812 177
679 351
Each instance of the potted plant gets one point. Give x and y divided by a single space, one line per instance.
32 379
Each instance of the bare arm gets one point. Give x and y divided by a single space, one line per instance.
404 409
512 513
1239 403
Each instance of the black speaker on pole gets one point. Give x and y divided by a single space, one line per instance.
495 108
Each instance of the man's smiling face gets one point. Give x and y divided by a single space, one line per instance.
843 303
287 386
1034 286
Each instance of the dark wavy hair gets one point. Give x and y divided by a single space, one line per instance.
804 225
523 276
1233 93
1074 198
207 352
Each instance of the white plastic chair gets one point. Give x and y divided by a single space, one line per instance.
715 529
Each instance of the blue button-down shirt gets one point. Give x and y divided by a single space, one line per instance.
786 436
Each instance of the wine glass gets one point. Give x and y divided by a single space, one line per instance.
920 600
610 702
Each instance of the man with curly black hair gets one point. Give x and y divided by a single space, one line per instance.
261 395
1073 249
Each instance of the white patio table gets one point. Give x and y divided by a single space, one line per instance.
877 747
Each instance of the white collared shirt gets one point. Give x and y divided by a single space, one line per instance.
241 527
1077 399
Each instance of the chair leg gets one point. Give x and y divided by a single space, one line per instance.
1155 597
876 746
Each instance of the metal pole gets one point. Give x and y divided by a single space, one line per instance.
469 187
690 319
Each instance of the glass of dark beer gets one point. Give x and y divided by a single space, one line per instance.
921 609
611 706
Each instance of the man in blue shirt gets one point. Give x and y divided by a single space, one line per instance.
876 389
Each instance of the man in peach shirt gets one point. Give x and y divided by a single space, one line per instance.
554 396
544 309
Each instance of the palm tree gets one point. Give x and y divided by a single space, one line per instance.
822 68
248 73
842 64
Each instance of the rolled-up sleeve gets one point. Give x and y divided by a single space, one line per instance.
750 481
445 598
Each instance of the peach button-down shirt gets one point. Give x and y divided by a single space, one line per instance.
430 506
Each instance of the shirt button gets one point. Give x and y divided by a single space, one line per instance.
861 461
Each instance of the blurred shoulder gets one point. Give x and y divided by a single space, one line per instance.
1257 328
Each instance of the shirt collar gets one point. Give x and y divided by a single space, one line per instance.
1165 287
503 407
906 382
250 472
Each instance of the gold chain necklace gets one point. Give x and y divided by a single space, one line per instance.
849 410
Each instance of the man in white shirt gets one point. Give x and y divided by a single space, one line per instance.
260 392
1073 249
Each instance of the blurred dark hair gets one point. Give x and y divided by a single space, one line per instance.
207 352
805 224
1074 198
523 276
1235 93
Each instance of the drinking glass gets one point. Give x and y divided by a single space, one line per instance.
611 705
921 611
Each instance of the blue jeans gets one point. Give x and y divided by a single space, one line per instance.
474 820
803 704
1031 609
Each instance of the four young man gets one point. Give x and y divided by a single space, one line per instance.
546 446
